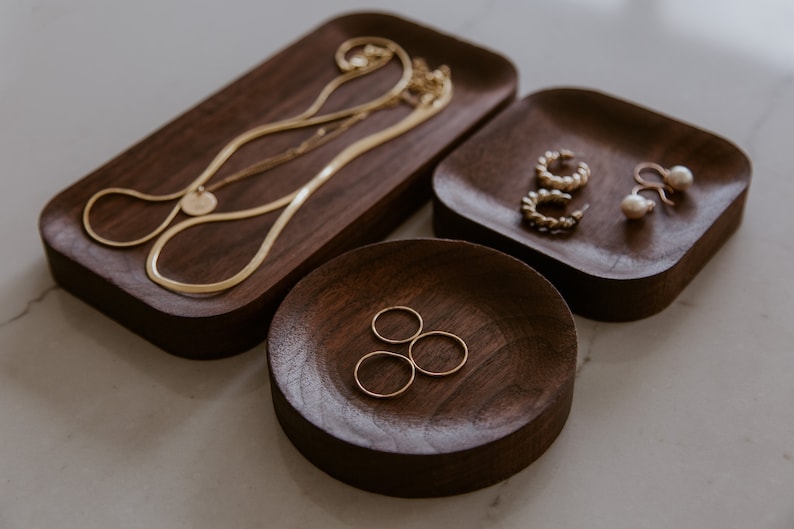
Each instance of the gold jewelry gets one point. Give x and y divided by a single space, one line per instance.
534 218
427 107
397 340
677 178
428 92
371 393
567 183
439 333
376 53
410 359
193 203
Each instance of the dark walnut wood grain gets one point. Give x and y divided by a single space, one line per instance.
608 268
360 204
444 435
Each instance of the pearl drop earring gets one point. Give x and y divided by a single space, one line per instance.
679 177
676 178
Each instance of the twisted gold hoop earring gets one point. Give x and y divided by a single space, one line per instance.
390 354
534 218
566 183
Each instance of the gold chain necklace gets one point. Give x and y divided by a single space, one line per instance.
202 201
375 53
426 91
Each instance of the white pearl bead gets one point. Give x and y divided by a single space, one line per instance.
635 206
680 177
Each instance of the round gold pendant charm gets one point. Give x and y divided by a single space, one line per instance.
198 203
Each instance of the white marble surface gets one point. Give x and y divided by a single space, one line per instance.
685 419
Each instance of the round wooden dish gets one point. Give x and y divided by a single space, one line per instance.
444 435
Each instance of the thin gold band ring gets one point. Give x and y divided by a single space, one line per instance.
371 393
397 340
439 373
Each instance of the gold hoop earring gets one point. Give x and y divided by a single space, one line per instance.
397 340
439 373
566 183
375 394
534 218
676 178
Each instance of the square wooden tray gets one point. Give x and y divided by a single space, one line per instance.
362 203
607 268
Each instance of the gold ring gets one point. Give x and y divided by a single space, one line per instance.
397 340
384 395
439 333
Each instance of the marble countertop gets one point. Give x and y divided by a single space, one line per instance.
683 419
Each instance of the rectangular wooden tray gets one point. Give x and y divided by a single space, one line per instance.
607 268
361 204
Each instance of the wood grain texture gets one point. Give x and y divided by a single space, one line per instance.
361 204
443 435
608 268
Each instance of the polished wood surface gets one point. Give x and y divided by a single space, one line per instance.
444 435
607 268
361 204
